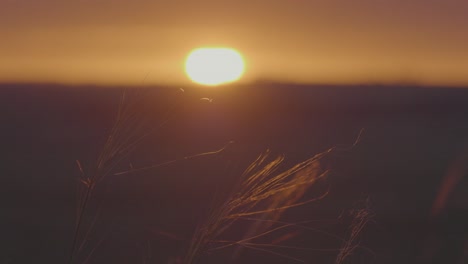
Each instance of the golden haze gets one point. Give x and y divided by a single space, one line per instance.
113 42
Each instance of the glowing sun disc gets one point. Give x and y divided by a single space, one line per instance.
214 66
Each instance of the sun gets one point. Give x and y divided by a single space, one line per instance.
214 66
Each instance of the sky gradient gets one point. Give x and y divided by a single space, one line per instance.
305 41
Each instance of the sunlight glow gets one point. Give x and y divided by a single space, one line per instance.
214 66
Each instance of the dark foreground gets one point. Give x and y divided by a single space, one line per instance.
411 165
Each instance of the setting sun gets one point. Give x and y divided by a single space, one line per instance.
214 66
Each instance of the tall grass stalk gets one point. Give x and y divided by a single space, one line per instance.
128 131
262 195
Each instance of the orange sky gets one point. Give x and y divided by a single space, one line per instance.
321 41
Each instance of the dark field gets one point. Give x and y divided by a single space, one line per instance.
413 153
